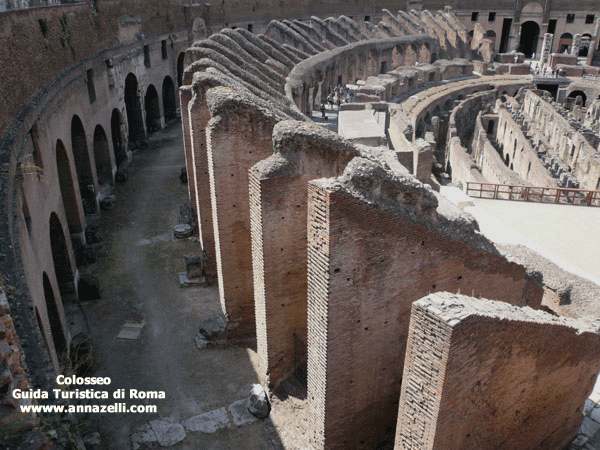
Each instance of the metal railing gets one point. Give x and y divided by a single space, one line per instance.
539 194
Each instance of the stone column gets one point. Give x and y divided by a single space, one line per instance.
576 45
546 47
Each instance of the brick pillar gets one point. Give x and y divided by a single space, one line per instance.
576 45
483 374
546 47
373 249
198 117
278 198
238 136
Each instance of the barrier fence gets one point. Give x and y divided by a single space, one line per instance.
539 194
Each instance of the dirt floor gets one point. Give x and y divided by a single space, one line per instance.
139 283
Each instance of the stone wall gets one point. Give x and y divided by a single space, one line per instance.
482 374
376 242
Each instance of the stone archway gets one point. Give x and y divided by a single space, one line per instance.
102 156
83 165
169 100
135 118
118 138
56 328
152 109
67 189
530 33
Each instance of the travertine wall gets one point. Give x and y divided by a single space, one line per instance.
375 244
278 199
483 374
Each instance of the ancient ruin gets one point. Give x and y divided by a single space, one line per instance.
319 238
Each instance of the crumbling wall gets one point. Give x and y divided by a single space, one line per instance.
377 241
278 199
238 136
483 374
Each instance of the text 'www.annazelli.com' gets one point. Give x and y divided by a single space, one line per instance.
114 408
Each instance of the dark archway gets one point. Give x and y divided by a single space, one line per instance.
491 35
135 118
152 109
577 93
530 32
56 328
102 156
490 127
180 59
67 189
169 100
61 259
118 138
83 166
565 42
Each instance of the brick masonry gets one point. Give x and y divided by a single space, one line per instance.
366 266
483 374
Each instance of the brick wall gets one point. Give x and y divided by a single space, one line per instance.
278 196
236 140
482 374
366 267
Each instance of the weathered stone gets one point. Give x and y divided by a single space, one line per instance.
258 402
240 413
208 422
168 432
183 231
194 265
209 330
143 435
109 202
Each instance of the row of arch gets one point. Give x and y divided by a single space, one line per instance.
78 190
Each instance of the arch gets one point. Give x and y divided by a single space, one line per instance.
152 109
169 100
530 32
102 156
491 36
70 201
574 94
410 56
83 166
56 328
61 259
490 127
532 8
180 68
584 47
506 160
564 43
118 137
199 29
135 120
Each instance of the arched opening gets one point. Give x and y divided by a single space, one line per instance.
135 120
506 160
490 127
152 109
39 320
491 36
180 59
65 179
118 138
83 166
102 156
565 42
61 260
581 94
530 32
56 328
584 48
169 101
